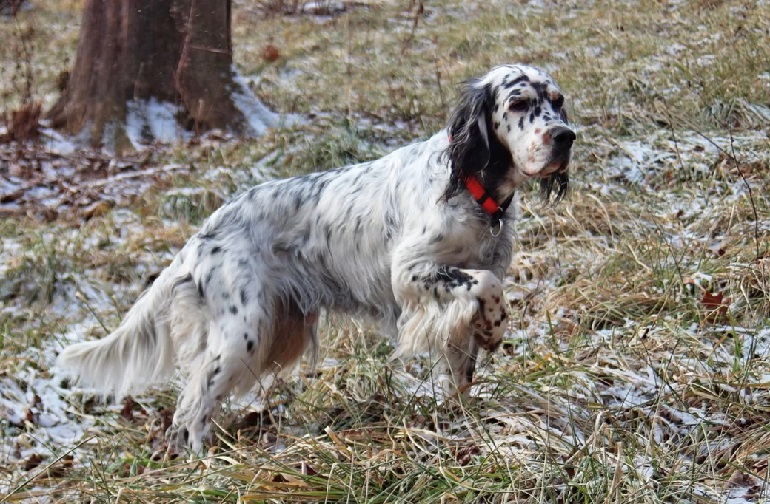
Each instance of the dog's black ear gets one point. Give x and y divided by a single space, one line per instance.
469 136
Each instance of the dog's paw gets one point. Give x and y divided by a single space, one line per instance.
489 324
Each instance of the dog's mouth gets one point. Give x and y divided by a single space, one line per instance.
555 166
557 162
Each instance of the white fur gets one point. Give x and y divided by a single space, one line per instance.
398 240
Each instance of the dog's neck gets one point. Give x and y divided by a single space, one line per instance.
485 200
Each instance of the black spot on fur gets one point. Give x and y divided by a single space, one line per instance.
212 374
216 250
244 297
297 201
234 310
250 346
452 277
183 280
517 80
471 364
390 225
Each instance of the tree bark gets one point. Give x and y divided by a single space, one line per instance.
150 70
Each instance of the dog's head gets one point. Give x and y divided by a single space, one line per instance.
510 126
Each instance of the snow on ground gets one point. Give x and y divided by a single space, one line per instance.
151 120
258 117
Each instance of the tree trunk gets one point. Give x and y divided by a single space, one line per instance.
150 70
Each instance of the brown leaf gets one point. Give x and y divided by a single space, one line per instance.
61 468
128 408
167 418
717 304
11 196
96 209
32 462
24 123
270 53
712 301
464 454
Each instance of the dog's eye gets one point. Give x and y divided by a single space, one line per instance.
558 102
518 105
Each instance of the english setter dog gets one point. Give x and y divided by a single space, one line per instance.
418 240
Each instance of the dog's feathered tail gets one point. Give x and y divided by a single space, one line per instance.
138 353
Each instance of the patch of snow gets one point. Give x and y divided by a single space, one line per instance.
56 143
149 120
34 412
258 117
324 7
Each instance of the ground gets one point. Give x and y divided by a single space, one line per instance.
636 367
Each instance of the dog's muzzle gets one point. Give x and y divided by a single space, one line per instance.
562 138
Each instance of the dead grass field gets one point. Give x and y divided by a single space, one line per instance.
637 365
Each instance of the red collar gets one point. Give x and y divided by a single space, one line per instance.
483 198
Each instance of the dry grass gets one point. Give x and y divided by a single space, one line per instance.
637 367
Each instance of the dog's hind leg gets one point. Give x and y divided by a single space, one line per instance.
232 361
241 348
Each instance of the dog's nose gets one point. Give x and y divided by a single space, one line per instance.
563 137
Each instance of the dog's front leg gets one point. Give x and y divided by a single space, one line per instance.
452 310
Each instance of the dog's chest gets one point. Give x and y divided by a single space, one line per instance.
478 247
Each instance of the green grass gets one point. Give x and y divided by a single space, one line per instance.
637 362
